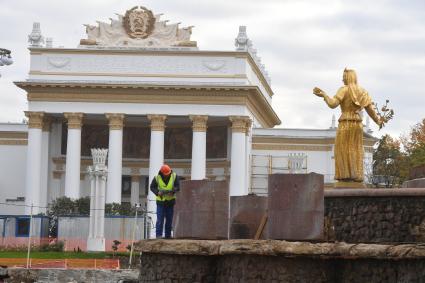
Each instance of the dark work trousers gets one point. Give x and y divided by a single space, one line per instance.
164 212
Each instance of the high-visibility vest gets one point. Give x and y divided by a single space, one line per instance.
165 187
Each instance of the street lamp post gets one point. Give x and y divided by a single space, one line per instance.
5 57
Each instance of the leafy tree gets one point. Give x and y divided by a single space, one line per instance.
388 160
417 156
414 145
119 209
416 137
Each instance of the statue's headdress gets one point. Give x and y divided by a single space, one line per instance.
359 96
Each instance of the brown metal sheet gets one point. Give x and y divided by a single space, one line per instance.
417 172
295 206
246 213
202 210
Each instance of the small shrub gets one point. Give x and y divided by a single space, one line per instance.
52 247
115 245
128 248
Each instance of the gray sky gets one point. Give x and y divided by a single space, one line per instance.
302 43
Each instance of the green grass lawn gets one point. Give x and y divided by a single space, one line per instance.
58 255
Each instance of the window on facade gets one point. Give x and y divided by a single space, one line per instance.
22 227
217 142
126 186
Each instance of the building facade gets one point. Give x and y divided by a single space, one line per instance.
148 94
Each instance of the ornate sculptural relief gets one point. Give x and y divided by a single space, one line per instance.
139 27
35 38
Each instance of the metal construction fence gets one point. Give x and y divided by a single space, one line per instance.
37 263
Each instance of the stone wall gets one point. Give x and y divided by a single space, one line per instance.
18 275
375 215
278 261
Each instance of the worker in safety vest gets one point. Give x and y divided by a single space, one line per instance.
164 186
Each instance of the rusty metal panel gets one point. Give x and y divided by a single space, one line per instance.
295 206
246 213
417 172
202 210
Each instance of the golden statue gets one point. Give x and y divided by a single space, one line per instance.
349 137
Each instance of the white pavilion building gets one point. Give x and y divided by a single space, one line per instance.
142 89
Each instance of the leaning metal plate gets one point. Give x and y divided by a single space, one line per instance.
295 206
246 213
202 210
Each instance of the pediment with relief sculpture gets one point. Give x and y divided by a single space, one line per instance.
138 27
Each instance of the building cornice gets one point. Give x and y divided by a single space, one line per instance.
250 96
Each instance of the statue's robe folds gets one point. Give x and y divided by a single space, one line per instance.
349 136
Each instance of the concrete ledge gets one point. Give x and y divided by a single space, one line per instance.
402 192
414 183
282 248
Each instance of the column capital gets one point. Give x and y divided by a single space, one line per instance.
199 122
35 119
239 123
157 122
135 178
57 174
248 126
47 123
74 119
116 120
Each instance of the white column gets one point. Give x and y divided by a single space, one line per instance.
84 187
54 179
199 147
92 203
98 175
113 189
45 161
34 148
156 158
55 191
73 155
238 157
248 148
135 189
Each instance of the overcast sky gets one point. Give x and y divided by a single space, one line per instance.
302 43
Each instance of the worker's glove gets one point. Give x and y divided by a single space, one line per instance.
160 193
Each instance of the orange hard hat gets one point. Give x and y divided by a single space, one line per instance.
165 170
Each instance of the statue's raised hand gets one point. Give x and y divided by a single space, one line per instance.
317 91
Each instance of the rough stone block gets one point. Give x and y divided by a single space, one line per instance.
295 206
246 213
202 210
